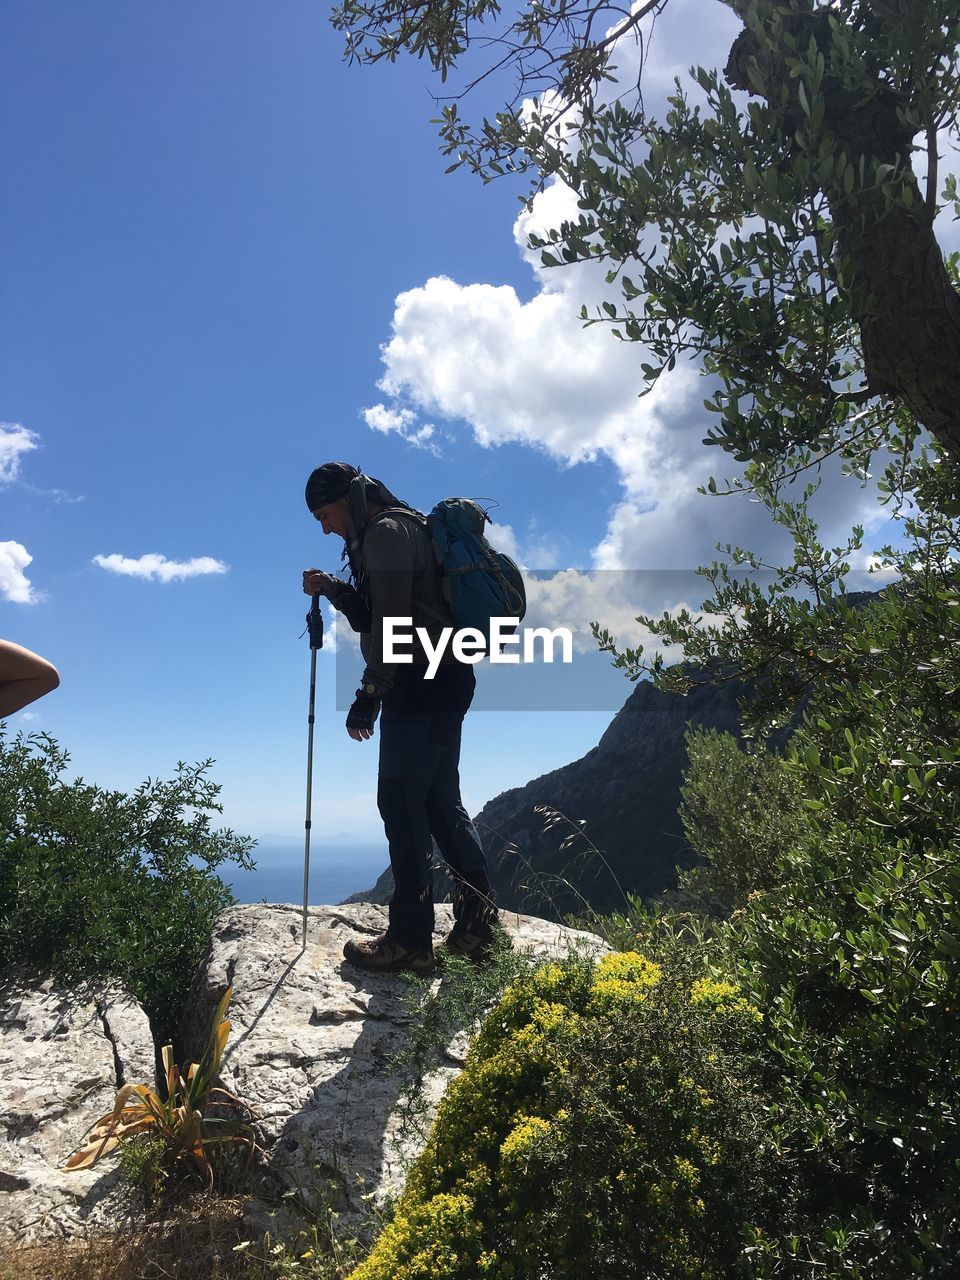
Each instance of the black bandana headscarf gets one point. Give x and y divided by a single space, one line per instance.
335 480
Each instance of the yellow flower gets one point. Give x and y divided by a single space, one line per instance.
722 997
523 1137
623 977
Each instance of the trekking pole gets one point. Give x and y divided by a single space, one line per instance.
315 630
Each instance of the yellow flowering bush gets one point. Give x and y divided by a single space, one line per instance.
602 1125
722 997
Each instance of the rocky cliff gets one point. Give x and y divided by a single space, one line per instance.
625 793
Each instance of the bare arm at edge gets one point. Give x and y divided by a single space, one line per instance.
24 677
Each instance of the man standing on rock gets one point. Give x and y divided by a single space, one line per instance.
395 575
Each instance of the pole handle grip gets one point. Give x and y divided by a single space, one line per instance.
315 623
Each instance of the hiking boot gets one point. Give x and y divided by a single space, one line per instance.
463 942
384 954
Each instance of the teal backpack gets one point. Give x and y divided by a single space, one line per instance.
479 583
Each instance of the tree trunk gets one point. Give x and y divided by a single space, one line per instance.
892 268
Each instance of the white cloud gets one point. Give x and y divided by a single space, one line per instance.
526 372
423 436
529 373
379 418
503 538
15 441
157 568
336 629
536 552
14 584
575 598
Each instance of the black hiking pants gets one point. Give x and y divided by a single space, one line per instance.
418 794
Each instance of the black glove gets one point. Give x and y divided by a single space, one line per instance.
316 582
364 712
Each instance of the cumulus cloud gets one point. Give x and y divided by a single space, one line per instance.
15 441
576 598
379 418
515 371
15 586
337 632
157 568
503 538
528 372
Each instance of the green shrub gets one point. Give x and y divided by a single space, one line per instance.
854 962
854 956
100 882
437 1013
742 812
603 1125
850 947
660 929
849 939
143 1163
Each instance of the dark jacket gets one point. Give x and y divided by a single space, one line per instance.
399 578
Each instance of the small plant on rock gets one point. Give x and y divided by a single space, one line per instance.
188 1121
143 1163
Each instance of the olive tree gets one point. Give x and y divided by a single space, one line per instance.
775 224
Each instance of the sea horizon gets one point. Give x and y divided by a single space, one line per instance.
336 871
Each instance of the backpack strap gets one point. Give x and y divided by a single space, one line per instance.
421 522
418 516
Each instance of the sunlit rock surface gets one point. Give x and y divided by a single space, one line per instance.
64 1051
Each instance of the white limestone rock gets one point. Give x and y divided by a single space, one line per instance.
312 1042
64 1051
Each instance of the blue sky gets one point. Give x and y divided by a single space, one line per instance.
230 257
